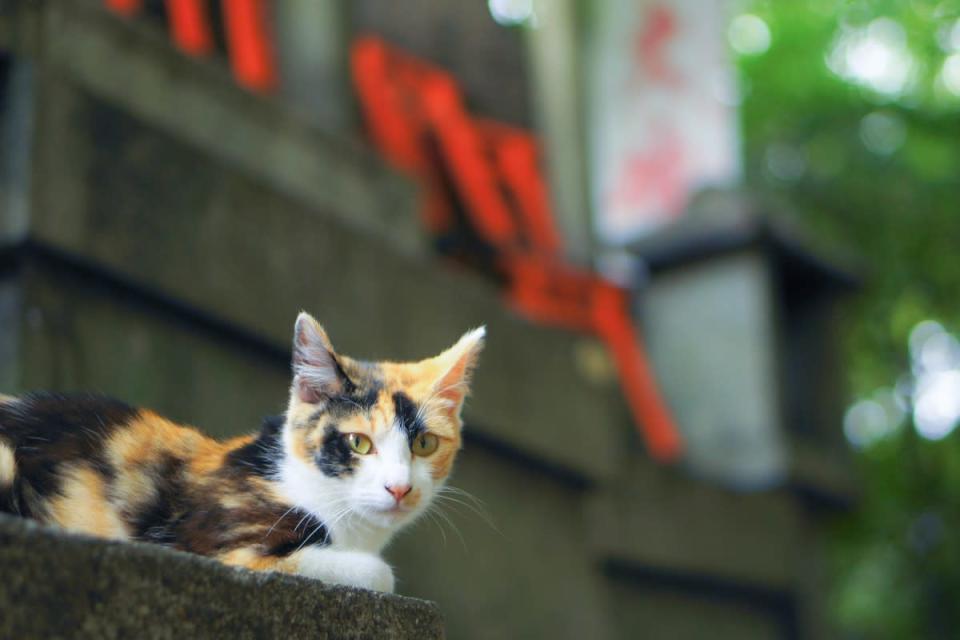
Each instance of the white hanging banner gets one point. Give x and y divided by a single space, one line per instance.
662 114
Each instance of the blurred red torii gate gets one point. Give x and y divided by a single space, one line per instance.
246 28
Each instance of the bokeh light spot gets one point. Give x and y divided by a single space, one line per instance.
950 74
875 56
785 162
937 404
512 12
882 133
749 35
865 422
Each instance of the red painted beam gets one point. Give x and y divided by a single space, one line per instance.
249 45
190 26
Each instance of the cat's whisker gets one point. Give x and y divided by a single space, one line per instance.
480 513
339 514
456 505
461 493
439 512
305 516
273 526
310 535
449 489
465 498
433 519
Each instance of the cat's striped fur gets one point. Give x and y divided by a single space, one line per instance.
294 498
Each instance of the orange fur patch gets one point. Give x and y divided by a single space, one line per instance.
84 507
250 559
442 461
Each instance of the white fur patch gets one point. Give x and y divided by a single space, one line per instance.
8 466
350 568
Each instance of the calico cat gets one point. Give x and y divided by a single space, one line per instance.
360 452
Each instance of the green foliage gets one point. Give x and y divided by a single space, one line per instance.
897 560
877 172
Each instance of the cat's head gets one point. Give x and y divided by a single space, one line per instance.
372 441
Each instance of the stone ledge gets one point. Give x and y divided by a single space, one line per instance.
679 526
62 585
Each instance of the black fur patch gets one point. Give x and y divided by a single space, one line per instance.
207 528
360 400
335 457
271 528
190 519
9 502
406 412
263 454
307 531
157 521
49 429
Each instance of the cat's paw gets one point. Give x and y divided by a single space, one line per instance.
367 571
348 568
379 576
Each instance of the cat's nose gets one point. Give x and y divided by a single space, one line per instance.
398 491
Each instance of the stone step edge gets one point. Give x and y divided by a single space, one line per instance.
58 583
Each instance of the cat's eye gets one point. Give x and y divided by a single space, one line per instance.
425 444
359 443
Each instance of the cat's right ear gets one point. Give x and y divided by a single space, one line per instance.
317 375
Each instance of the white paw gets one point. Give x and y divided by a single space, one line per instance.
380 576
349 568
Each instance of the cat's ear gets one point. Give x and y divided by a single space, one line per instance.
453 369
316 373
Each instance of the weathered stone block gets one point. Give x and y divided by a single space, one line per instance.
69 331
133 66
145 591
681 526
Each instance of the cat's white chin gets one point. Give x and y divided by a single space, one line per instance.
390 517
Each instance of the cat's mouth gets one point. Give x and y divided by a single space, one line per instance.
394 511
397 509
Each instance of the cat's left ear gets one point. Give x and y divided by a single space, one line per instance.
454 368
316 373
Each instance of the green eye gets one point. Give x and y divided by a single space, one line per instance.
425 444
359 443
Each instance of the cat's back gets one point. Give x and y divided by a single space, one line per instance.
56 427
82 460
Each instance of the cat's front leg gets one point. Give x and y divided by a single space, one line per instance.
350 568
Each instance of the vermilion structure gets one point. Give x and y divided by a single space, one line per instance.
249 45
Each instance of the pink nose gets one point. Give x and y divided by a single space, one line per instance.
398 491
